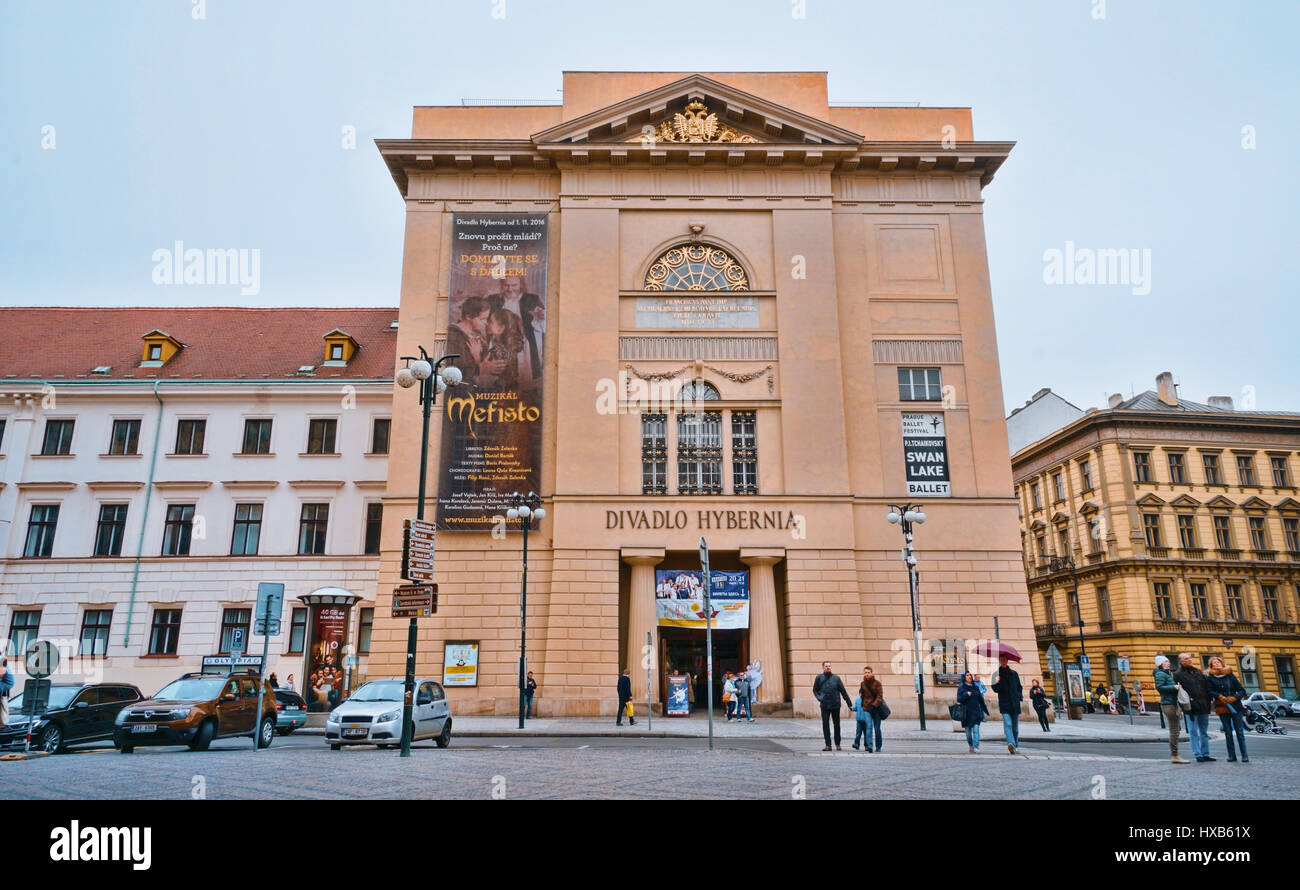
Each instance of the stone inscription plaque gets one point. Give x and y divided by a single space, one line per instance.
697 313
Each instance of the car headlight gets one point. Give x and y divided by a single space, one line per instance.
178 713
389 717
333 717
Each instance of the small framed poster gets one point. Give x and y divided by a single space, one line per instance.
460 663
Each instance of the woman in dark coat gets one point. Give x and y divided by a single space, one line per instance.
1226 692
969 694
1038 696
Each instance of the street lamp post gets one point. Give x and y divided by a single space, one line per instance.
418 370
906 515
525 508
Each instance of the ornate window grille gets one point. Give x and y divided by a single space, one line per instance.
696 267
699 452
654 454
744 452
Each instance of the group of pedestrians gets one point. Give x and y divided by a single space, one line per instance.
971 709
738 695
869 708
1112 700
1188 694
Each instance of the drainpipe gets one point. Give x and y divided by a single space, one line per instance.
144 519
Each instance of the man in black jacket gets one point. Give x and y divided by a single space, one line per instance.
1008 688
1189 676
624 696
828 689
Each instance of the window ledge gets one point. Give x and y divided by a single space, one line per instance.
252 454
51 455
173 454
321 454
133 454
160 655
366 454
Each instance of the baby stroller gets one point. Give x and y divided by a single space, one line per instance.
1263 721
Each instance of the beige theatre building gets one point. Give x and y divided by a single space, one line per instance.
693 306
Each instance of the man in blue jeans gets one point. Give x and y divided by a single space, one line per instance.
1010 695
1189 676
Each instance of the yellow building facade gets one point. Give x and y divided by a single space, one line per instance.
1165 526
747 293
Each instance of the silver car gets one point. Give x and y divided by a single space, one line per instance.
373 715
1267 701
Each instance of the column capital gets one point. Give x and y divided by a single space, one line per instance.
642 556
761 556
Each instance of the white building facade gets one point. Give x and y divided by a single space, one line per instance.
145 498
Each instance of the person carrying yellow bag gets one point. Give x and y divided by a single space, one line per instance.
625 699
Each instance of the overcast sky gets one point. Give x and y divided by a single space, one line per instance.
225 131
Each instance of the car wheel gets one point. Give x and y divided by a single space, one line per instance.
126 749
52 739
334 747
444 737
203 738
265 733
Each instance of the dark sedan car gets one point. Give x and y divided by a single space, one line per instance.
76 713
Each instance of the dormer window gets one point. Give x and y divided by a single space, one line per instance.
339 348
159 349
155 352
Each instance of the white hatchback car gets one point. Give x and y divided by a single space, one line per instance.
373 715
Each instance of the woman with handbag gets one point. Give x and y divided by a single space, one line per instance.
1038 698
1169 705
1227 692
971 701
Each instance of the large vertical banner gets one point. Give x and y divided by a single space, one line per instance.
492 421
323 686
925 453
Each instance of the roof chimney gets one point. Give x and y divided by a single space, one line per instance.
1222 402
1165 388
1115 400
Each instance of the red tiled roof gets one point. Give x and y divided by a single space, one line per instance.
220 343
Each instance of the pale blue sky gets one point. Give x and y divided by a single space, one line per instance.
225 132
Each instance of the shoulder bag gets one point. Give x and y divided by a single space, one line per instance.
882 711
957 712
1184 700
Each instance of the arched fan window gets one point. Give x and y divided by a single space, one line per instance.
698 391
696 267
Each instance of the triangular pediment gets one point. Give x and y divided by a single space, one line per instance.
1288 504
701 111
1185 500
1150 500
1255 503
1220 503
1088 508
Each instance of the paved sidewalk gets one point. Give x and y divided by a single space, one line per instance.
1116 729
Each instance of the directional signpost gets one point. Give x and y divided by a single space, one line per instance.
421 541
270 597
415 600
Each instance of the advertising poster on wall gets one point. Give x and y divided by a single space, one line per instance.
492 420
679 699
1074 683
460 664
324 686
679 598
925 456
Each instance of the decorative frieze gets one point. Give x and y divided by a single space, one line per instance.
929 352
689 348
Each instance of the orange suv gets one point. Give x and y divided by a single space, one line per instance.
197 708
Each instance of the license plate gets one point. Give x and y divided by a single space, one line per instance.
354 732
145 727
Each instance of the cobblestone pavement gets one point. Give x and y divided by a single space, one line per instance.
601 767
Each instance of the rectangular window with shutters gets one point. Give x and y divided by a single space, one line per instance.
1291 530
374 527
110 530
1246 470
165 632
41 525
365 628
1281 475
1258 534
919 385
126 437
178 530
297 630
94 631
1211 464
1268 593
654 454
257 436
312 528
232 620
58 437
1151 527
1236 610
1187 531
189 436
1141 466
248 530
699 452
1200 601
1177 469
1222 532
1164 603
320 436
744 452
379 435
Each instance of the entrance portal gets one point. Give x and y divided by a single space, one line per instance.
683 649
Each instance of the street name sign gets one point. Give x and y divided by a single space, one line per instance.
415 600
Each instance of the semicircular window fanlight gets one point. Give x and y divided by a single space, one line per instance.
696 267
